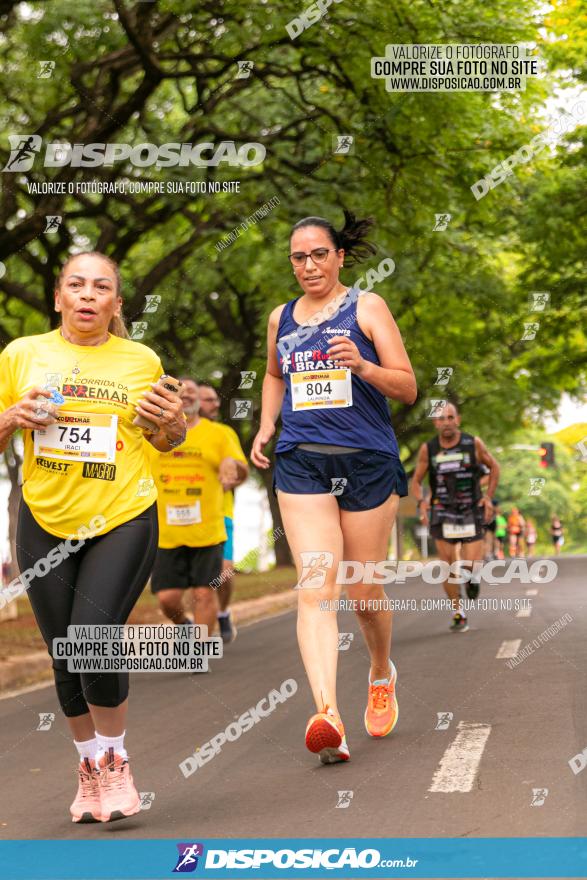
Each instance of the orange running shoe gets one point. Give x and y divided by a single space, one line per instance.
119 795
87 805
325 736
382 710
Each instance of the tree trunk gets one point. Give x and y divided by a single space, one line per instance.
281 547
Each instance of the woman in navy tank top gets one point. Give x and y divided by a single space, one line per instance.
335 356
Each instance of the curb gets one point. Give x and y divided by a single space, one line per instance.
24 669
264 607
31 668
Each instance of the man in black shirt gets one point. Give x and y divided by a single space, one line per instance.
457 509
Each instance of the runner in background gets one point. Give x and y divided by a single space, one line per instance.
334 358
489 541
191 482
457 509
210 408
530 535
516 525
74 393
501 530
557 534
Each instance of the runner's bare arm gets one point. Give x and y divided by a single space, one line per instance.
272 327
22 415
394 377
417 489
484 457
272 396
232 473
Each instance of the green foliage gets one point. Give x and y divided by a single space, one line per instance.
563 492
160 74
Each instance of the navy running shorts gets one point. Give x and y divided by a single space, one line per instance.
359 480
180 568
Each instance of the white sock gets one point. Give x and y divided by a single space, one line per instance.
116 743
87 749
223 613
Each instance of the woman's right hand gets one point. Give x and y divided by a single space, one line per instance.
264 435
24 413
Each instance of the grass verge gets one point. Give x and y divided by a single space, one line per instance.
22 636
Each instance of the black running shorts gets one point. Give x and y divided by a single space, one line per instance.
183 567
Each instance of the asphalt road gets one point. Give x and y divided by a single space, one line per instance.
512 730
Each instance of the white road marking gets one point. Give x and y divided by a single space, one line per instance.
531 592
508 649
460 762
524 612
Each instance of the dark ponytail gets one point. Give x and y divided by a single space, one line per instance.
352 237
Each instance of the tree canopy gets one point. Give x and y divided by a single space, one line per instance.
160 73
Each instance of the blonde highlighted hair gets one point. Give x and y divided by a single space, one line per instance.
117 326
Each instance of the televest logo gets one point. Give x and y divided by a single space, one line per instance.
48 464
25 147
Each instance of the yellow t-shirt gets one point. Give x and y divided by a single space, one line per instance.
228 504
190 495
228 508
92 462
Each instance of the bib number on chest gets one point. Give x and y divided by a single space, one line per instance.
183 514
78 436
328 389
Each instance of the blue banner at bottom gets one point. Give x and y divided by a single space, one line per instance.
512 857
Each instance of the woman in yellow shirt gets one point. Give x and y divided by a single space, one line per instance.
87 530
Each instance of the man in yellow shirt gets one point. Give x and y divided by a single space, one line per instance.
210 408
191 482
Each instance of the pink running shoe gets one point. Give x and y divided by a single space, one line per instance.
119 795
87 804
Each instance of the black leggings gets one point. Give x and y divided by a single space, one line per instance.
99 584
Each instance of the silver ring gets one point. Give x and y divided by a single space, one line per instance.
160 413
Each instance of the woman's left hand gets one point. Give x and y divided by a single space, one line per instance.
165 409
345 353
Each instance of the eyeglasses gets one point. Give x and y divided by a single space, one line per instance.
318 255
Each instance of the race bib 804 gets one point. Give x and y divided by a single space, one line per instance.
327 389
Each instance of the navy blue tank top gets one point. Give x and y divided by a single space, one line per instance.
366 423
